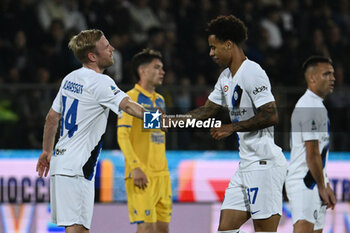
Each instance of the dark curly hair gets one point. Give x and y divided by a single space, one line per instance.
228 28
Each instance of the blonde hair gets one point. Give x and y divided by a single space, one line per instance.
84 42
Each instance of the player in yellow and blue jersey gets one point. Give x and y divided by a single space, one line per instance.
147 178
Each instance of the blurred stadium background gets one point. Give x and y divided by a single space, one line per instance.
34 59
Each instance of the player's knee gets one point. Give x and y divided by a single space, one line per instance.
76 228
162 229
145 228
227 227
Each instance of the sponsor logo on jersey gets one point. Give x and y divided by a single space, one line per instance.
238 112
259 89
158 138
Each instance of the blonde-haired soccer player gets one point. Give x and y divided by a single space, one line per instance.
82 107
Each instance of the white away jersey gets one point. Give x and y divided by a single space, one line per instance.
309 122
243 93
84 100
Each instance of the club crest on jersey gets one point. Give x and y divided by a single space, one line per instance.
235 95
225 88
114 90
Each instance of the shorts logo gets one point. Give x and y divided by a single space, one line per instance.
147 212
313 125
151 120
225 88
315 214
259 89
60 151
254 212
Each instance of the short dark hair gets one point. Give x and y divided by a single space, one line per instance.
314 60
144 57
228 28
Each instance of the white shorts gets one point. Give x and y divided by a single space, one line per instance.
258 192
306 204
72 200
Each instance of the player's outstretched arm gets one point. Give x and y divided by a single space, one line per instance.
50 129
266 116
131 107
210 109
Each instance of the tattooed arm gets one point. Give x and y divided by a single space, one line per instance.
265 117
210 109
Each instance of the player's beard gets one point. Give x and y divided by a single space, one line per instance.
105 63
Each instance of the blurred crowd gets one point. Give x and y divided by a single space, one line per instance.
281 35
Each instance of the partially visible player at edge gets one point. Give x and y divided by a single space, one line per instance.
255 191
307 185
82 106
147 179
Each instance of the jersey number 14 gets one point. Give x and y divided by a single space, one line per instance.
68 121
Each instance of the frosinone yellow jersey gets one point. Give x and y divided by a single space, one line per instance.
144 148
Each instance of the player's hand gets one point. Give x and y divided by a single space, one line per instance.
332 199
139 178
324 196
43 164
222 132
